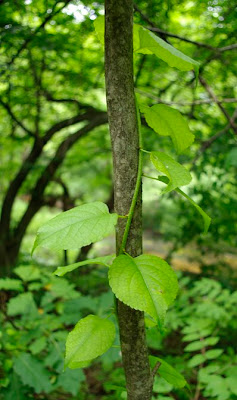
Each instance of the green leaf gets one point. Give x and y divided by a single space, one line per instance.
146 42
28 273
22 304
105 260
177 174
32 373
173 57
168 121
206 218
215 353
91 337
76 228
194 346
196 360
11 284
15 391
99 25
170 374
38 345
146 283
232 384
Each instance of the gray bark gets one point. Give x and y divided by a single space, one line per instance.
125 147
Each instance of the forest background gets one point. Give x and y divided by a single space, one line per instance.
55 153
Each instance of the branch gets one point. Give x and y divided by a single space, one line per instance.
18 122
207 143
227 48
184 103
218 103
30 161
163 33
49 97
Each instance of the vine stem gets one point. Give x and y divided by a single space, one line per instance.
137 186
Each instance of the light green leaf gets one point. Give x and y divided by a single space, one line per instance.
91 337
215 353
60 271
77 227
164 51
11 284
99 25
32 373
194 346
170 374
196 360
168 121
146 283
177 174
28 273
38 345
146 42
206 218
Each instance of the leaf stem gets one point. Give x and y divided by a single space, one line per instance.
149 177
137 186
144 151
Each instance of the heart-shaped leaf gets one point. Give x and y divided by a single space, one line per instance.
168 121
177 174
146 283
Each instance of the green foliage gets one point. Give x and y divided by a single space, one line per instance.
76 228
177 174
11 284
205 313
146 283
91 337
167 121
27 274
32 373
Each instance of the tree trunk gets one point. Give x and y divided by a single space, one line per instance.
8 257
125 145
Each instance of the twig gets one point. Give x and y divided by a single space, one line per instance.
165 34
155 369
184 103
12 115
207 143
218 103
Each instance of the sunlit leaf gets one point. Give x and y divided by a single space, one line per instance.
146 283
77 227
164 51
177 174
91 337
146 42
168 121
